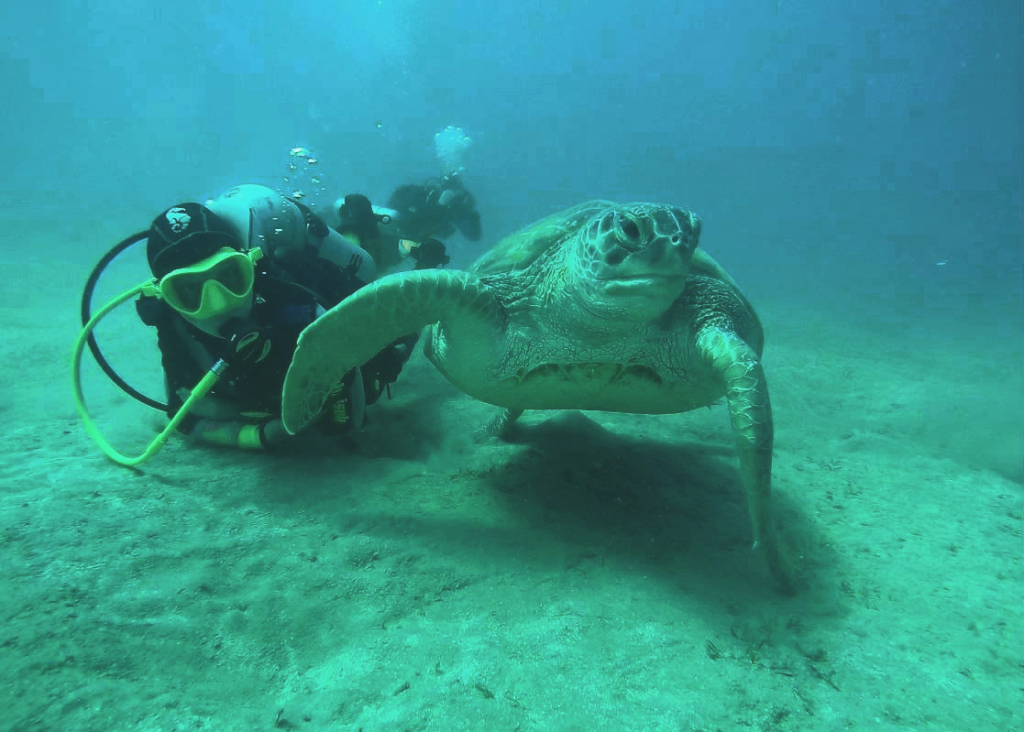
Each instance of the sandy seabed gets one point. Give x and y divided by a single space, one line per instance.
594 573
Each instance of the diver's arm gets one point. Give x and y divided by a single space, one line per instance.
245 435
468 223
213 420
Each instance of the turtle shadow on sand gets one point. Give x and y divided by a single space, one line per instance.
580 495
574 496
674 506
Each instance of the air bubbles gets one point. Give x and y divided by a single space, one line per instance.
300 181
451 145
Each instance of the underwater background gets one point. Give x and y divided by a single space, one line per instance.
857 166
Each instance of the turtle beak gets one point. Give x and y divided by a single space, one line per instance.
664 258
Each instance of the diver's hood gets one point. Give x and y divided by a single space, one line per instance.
385 214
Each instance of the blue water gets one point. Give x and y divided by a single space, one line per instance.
854 140
857 166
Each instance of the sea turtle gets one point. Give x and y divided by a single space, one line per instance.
603 306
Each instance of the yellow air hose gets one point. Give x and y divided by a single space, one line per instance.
206 383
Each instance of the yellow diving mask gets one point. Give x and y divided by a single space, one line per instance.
216 285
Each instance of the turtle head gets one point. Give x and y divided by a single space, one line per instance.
634 259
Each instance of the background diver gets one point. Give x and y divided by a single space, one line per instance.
412 224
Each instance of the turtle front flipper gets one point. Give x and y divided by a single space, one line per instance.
750 412
352 332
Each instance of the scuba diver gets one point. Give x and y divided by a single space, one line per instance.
415 219
436 208
235 283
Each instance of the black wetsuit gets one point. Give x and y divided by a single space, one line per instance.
281 310
421 215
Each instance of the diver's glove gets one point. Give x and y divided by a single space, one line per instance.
272 434
247 342
430 253
381 371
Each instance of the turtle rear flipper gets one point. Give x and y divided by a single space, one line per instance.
355 330
501 426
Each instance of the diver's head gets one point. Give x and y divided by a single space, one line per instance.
205 274
358 218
